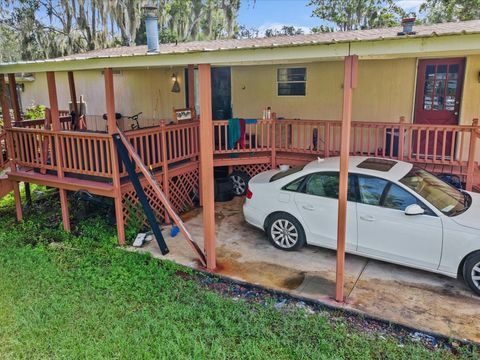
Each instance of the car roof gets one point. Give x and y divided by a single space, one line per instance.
397 170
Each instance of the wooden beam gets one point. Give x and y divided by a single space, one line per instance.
18 201
191 86
14 97
112 129
53 99
56 126
206 164
7 120
349 83
73 96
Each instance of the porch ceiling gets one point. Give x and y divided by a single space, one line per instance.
450 39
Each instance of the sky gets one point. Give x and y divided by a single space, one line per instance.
264 14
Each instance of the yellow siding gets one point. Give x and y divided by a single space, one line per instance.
470 108
143 90
385 91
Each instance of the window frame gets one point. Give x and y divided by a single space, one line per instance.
277 81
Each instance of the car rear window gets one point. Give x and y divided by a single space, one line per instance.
377 164
285 173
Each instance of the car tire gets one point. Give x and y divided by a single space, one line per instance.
285 232
471 272
240 181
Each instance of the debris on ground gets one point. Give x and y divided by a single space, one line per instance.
378 329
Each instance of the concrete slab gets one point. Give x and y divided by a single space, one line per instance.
415 298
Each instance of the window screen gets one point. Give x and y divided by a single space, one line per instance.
291 81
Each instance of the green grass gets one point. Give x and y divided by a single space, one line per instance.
85 298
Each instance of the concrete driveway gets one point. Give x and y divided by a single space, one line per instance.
411 297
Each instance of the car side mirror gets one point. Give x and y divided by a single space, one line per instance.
414 209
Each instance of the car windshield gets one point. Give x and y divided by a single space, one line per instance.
443 196
282 174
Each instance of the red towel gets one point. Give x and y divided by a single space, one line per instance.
242 133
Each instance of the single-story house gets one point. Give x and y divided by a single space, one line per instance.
406 94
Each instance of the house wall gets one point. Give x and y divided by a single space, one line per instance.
470 108
385 91
142 90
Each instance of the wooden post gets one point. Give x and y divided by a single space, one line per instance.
349 83
206 164
73 97
166 185
14 97
112 129
326 141
7 124
18 201
273 124
401 138
472 150
56 127
191 86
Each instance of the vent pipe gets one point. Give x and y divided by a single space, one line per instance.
151 25
407 26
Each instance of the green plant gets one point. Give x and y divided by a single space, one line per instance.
34 112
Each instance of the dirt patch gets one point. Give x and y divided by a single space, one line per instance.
256 272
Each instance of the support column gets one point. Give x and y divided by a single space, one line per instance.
18 201
349 83
56 127
73 97
206 164
14 97
7 124
191 86
112 129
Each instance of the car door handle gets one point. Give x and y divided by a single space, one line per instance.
308 207
367 217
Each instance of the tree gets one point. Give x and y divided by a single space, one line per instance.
41 29
358 14
286 30
437 11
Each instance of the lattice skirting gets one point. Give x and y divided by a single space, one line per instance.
183 194
253 169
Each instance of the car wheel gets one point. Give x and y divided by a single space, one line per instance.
240 181
285 232
471 272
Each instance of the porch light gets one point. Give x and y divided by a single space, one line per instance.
176 85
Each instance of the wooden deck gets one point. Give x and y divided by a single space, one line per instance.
83 160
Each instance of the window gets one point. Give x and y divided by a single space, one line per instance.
282 174
371 189
377 164
326 185
397 198
443 196
291 81
294 185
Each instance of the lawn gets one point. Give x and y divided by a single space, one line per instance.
83 297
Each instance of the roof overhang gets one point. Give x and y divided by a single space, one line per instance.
451 45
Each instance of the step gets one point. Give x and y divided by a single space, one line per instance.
5 185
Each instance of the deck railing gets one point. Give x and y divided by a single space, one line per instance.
165 144
77 152
90 153
65 123
257 137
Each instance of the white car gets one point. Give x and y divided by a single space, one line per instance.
396 212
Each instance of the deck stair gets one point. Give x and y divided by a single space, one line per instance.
5 184
123 143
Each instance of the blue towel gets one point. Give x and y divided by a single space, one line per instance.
233 132
250 121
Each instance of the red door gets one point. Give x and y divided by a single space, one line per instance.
439 91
